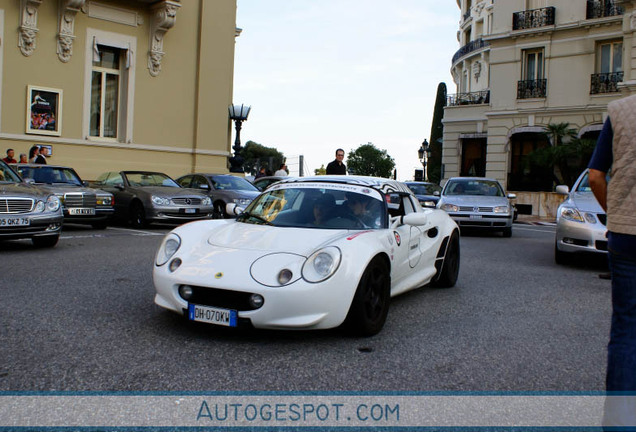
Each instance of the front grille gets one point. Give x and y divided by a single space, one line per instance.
15 205
602 217
186 201
221 298
80 200
479 209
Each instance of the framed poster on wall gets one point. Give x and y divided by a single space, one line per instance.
44 111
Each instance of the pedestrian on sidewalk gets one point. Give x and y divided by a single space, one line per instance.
616 150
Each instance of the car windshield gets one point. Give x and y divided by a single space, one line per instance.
228 182
317 205
473 187
424 188
50 175
7 175
149 179
584 184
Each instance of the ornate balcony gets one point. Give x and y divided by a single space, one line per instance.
474 98
530 89
534 18
605 82
602 9
470 47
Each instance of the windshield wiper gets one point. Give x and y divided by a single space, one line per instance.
257 217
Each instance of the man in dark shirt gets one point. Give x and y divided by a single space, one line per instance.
9 159
337 166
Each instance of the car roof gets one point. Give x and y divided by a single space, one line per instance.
144 172
381 184
30 165
474 178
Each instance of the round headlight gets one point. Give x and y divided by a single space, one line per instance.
174 264
53 203
160 201
206 201
322 264
450 208
186 292
39 207
285 276
169 247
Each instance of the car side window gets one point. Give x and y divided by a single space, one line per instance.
113 179
185 181
198 181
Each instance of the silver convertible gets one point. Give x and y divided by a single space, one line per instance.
26 211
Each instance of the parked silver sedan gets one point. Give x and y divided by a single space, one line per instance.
477 202
580 222
27 211
80 203
142 197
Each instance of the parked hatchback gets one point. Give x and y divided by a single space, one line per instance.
223 189
477 202
580 222
80 203
27 211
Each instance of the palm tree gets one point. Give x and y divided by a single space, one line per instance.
564 142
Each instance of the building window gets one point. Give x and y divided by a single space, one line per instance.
533 84
609 68
525 174
105 93
473 157
109 86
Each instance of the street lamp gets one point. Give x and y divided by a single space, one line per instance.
239 114
424 153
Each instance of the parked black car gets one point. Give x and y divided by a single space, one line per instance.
427 193
80 203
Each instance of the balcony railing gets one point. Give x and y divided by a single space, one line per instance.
529 89
474 98
602 9
533 18
470 47
605 82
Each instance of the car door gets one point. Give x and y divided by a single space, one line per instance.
407 251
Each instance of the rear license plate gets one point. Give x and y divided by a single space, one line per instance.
474 216
7 222
81 211
212 315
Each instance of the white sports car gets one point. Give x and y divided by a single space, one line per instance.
308 253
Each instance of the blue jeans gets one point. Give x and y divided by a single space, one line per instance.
621 350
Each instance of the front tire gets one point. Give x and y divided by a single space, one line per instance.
138 216
370 305
450 268
218 211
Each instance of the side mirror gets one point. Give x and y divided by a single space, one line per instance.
436 193
204 186
415 219
233 209
562 190
29 181
512 196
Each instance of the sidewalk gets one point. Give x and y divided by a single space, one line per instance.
535 220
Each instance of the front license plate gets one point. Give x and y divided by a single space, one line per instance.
81 211
190 211
8 222
212 315
473 216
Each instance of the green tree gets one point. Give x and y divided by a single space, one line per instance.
320 171
437 133
257 155
368 160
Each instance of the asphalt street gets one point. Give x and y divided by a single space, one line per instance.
80 317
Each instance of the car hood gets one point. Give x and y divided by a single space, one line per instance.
475 200
166 191
22 190
301 241
586 202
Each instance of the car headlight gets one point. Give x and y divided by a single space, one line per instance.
450 207
428 203
207 201
570 213
160 201
242 201
39 207
321 265
502 209
590 218
53 203
104 200
169 247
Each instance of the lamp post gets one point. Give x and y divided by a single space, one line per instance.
239 114
424 153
